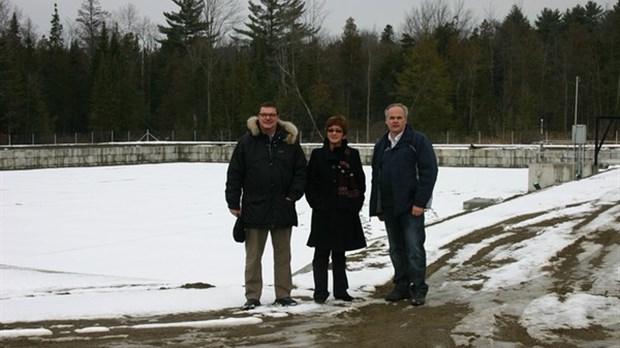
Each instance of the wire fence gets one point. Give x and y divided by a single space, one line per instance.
353 136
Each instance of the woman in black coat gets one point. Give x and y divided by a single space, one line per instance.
335 191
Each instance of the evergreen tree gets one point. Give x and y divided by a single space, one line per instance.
103 102
275 30
23 105
352 69
424 85
389 61
313 85
78 90
117 97
12 83
239 90
132 99
550 29
388 36
502 78
582 59
183 102
610 70
56 40
185 26
55 75
517 51
220 15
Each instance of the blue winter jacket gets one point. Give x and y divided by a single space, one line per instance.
413 174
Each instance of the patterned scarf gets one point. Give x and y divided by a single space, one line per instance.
347 185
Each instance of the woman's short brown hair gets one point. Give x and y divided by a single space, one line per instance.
337 120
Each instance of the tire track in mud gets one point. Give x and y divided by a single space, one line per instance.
463 310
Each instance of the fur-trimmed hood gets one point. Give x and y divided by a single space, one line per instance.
288 127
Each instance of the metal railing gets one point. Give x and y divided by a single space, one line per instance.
354 136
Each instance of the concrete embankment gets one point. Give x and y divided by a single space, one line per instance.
548 165
107 154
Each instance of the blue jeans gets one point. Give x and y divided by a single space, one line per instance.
406 236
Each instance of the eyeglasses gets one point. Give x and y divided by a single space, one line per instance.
334 130
265 115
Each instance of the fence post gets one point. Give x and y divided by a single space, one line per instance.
112 136
75 137
128 135
479 137
32 138
11 144
55 140
92 137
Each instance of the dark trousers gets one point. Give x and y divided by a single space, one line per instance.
320 265
406 236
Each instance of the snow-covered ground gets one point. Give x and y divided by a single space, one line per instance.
106 242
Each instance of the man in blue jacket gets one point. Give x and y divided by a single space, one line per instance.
404 171
265 177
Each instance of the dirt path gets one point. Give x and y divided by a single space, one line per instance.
463 307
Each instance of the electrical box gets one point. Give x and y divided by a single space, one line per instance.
579 134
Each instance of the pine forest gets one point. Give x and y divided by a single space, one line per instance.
200 75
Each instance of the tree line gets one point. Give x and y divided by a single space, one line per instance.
204 72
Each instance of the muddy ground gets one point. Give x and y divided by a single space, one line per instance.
459 311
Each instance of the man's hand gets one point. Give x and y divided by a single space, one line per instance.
417 211
235 212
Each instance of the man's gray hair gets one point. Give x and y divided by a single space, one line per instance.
400 105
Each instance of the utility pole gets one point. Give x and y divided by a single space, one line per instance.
576 97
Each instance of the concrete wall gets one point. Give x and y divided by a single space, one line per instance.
56 156
542 175
86 155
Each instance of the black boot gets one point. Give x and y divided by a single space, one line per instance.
339 270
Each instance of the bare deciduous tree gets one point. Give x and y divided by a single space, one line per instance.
315 15
126 18
433 14
221 16
4 14
91 18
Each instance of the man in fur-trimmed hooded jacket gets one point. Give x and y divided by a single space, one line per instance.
266 176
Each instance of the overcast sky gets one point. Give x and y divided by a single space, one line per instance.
368 14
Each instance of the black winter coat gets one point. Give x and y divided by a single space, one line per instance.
267 176
335 218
